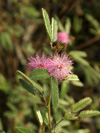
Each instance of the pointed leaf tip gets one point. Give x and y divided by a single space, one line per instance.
47 23
54 29
81 104
89 113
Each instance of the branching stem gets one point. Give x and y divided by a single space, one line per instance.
59 122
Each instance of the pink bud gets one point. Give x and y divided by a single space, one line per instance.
63 37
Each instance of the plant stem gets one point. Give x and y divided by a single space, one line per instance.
49 112
44 100
59 122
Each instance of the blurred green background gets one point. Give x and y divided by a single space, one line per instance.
23 34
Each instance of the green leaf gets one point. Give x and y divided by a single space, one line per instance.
81 104
89 113
27 86
93 21
54 30
78 53
77 24
38 114
45 116
6 40
93 78
36 85
72 77
77 83
30 11
64 89
11 114
70 116
95 32
24 130
68 26
11 106
82 131
38 74
78 56
4 85
61 27
82 61
54 92
47 23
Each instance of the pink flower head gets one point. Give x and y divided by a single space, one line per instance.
39 62
57 65
60 66
63 37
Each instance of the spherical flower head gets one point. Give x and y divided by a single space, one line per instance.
39 62
61 65
57 65
63 37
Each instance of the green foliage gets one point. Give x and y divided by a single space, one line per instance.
70 116
27 86
45 116
65 103
36 85
4 85
54 92
24 130
50 28
10 114
77 83
89 113
92 75
39 74
23 110
68 26
54 30
61 27
72 77
62 127
93 21
77 24
96 25
64 89
78 56
81 104
30 12
6 41
47 23
38 114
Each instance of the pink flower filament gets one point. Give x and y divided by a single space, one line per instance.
57 65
